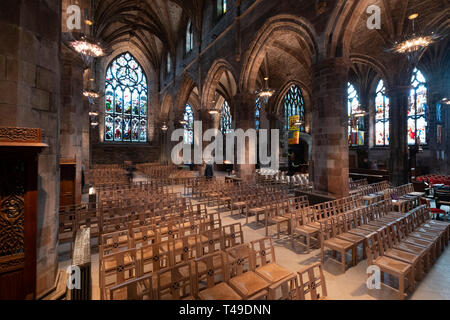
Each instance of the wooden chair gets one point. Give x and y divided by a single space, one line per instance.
212 278
310 280
274 215
329 240
115 269
267 267
408 257
302 225
135 289
399 269
244 280
175 283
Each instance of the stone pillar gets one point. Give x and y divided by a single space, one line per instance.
398 138
72 112
30 97
244 113
329 130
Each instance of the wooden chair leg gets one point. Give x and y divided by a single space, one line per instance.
343 258
401 287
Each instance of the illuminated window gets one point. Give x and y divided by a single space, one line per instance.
225 118
294 105
189 125
381 116
189 37
221 7
258 114
356 123
417 108
125 101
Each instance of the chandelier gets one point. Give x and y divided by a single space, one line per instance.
414 44
91 94
87 47
265 93
164 127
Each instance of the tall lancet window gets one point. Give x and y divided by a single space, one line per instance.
294 106
225 118
189 125
417 108
126 101
257 114
356 123
189 37
381 116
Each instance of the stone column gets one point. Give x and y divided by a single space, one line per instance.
329 130
398 134
30 97
72 112
244 113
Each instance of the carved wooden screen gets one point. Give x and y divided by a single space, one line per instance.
19 148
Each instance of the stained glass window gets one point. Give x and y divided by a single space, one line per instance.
294 105
356 124
125 101
189 125
189 37
257 114
225 118
169 63
221 7
381 116
417 108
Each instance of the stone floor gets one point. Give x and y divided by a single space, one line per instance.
348 286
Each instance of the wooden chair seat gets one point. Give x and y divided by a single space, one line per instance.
402 255
306 229
273 272
338 244
221 291
347 236
361 232
393 266
256 210
239 204
249 284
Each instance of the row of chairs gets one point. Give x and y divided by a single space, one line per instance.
242 272
149 252
405 248
306 220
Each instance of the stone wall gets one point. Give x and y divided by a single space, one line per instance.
30 97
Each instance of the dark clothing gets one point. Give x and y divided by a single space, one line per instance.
209 172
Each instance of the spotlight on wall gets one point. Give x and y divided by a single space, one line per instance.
213 111
93 114
183 122
94 124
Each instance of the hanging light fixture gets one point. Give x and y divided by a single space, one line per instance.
164 127
445 101
414 43
87 47
265 93
91 94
